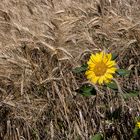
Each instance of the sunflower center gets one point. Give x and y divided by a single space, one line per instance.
100 69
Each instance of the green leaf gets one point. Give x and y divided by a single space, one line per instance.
136 133
112 85
131 94
137 118
86 90
114 56
123 72
116 114
83 68
97 137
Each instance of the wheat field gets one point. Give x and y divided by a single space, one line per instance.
41 42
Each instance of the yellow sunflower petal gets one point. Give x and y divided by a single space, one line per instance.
89 74
105 59
91 64
111 70
111 63
108 76
106 80
95 79
102 55
109 56
138 124
101 79
99 57
93 58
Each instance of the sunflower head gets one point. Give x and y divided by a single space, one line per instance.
101 68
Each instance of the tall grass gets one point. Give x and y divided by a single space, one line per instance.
41 42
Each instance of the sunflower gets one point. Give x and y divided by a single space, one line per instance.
138 124
101 68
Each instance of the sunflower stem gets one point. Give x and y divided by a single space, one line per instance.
120 91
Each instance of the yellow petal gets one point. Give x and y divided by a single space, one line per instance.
94 79
90 62
106 80
101 79
109 76
109 56
99 57
111 70
105 60
91 65
138 124
89 74
93 58
111 63
102 54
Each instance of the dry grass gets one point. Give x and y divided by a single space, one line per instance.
41 41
